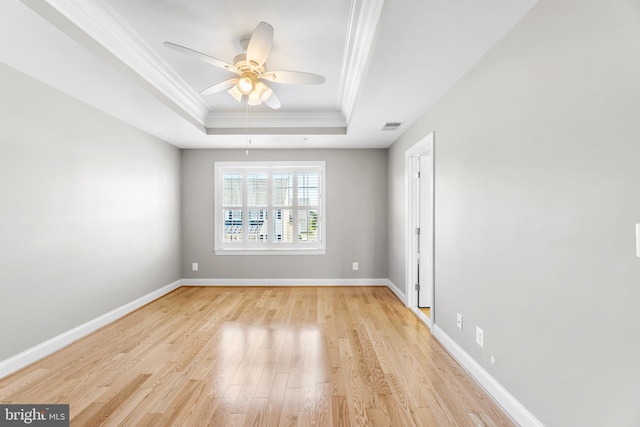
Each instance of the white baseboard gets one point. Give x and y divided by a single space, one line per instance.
285 282
396 290
509 403
421 316
56 343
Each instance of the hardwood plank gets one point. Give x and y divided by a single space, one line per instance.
257 414
222 414
322 415
356 394
263 389
184 406
98 412
281 356
308 391
290 408
340 411
276 398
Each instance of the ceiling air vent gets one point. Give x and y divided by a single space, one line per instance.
392 125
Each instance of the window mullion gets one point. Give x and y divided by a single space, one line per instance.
317 209
219 206
294 208
270 217
245 210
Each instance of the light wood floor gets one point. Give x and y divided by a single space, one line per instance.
426 311
329 356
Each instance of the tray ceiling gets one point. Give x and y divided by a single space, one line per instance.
383 60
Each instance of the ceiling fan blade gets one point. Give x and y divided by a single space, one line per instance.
201 56
260 43
293 77
227 84
235 92
272 101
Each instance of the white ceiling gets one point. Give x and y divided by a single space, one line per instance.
384 61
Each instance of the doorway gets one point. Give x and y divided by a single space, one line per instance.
419 261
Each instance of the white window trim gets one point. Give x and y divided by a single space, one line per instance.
269 248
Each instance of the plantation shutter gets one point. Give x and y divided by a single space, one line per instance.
269 207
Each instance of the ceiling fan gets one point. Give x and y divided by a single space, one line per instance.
250 67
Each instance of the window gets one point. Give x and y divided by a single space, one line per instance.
275 207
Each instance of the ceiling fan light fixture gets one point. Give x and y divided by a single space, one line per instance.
247 83
263 91
254 98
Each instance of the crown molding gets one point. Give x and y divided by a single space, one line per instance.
277 118
361 34
277 122
99 28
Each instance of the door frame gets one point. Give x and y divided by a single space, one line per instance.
424 147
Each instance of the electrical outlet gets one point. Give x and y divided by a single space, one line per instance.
194 266
355 266
459 321
479 336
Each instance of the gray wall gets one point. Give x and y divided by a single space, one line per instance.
356 209
89 213
537 195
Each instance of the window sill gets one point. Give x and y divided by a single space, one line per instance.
270 252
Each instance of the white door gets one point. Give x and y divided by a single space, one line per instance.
419 261
423 205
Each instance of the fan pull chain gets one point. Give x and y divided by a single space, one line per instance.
246 152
